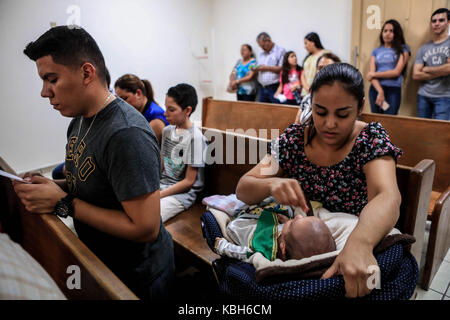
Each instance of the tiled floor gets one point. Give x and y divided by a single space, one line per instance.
439 289
440 286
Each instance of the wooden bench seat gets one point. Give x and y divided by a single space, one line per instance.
186 232
418 138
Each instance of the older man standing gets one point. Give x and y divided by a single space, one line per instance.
270 61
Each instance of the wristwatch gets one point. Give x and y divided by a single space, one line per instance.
64 207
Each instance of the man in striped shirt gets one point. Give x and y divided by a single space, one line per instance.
270 61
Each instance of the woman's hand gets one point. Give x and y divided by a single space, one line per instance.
380 99
353 264
288 192
295 87
41 196
233 84
370 75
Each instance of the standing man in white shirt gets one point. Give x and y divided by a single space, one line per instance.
270 61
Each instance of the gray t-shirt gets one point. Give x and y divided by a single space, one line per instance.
432 54
179 150
117 160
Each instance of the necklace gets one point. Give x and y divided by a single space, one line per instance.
81 120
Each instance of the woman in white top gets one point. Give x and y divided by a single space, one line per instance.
315 50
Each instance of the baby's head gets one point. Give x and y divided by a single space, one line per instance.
303 237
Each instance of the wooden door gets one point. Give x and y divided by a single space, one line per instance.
414 17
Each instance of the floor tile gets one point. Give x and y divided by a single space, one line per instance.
428 295
442 278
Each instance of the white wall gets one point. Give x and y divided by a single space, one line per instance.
151 38
159 40
286 21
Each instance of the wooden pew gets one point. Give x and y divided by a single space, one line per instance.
223 115
48 240
414 184
418 138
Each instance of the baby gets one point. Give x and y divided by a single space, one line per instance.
275 236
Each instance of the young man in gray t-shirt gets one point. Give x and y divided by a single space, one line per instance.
432 67
112 166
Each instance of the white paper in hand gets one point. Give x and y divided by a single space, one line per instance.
385 106
11 176
281 97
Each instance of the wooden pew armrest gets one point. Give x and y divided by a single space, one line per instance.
440 202
63 249
439 239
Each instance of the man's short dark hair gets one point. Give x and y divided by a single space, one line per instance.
264 36
107 77
69 46
184 95
442 10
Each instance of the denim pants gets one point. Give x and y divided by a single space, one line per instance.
392 95
246 97
265 94
433 108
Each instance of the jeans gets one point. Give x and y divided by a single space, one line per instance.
246 97
433 108
392 95
291 102
265 94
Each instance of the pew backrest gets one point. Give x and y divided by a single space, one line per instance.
248 116
419 139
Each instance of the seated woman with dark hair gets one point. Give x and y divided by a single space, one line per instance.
139 94
346 164
326 59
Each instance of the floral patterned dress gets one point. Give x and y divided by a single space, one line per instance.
341 187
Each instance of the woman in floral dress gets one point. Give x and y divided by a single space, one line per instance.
346 164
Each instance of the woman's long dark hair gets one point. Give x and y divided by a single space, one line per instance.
131 83
348 77
398 42
287 68
313 37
